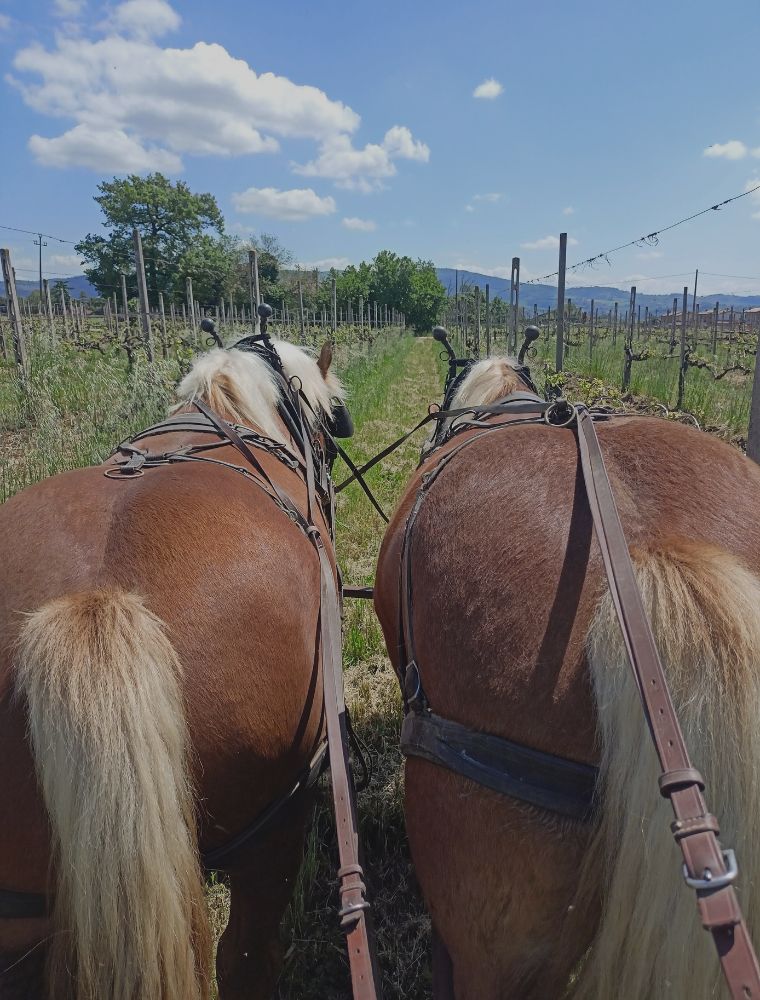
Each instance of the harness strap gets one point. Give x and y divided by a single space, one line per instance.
707 867
540 779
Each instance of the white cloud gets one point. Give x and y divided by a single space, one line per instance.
164 101
363 169
548 243
734 149
102 150
488 89
68 8
64 263
650 255
292 206
5 22
144 18
362 225
326 264
400 144
569 210
491 198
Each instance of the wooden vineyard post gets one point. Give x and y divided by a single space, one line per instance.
300 305
477 321
253 289
614 325
49 310
628 349
14 315
334 325
190 305
753 435
162 313
560 347
488 320
514 305
591 332
142 294
682 366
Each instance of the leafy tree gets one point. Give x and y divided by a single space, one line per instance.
60 290
216 267
169 217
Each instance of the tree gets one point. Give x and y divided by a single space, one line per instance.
59 291
216 267
169 217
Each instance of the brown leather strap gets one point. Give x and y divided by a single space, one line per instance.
694 828
354 907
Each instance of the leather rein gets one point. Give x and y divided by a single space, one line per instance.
560 785
311 463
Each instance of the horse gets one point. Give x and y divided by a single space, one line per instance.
159 690
515 636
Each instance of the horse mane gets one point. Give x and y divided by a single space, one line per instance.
488 381
242 386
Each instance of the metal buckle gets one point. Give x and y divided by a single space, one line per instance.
710 881
561 413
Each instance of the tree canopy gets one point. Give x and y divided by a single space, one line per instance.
411 286
169 217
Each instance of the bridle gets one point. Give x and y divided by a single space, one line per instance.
312 463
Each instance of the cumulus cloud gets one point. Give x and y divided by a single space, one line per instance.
364 169
491 198
5 22
118 89
295 205
362 225
326 264
548 243
68 8
166 101
569 210
144 18
734 149
488 89
102 150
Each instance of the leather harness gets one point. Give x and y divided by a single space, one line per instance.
312 464
553 783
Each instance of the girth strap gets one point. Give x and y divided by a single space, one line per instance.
707 868
541 779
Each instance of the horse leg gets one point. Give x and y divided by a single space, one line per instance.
500 880
443 970
249 957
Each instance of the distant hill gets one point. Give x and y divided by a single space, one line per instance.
545 296
77 285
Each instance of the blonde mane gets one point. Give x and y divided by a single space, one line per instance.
488 381
242 386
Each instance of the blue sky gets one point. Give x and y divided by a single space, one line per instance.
349 128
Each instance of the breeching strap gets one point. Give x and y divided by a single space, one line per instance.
706 867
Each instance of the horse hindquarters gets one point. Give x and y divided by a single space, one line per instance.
705 612
108 733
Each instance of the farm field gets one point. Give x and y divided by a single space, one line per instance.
80 403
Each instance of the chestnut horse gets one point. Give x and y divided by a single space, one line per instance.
516 636
159 674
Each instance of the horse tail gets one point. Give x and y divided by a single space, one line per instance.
705 612
110 744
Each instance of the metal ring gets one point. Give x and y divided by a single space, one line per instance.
562 423
434 408
292 380
119 472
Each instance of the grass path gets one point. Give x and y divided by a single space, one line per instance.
389 394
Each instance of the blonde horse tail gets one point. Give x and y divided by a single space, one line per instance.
705 611
108 733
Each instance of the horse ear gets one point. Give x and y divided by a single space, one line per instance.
325 358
